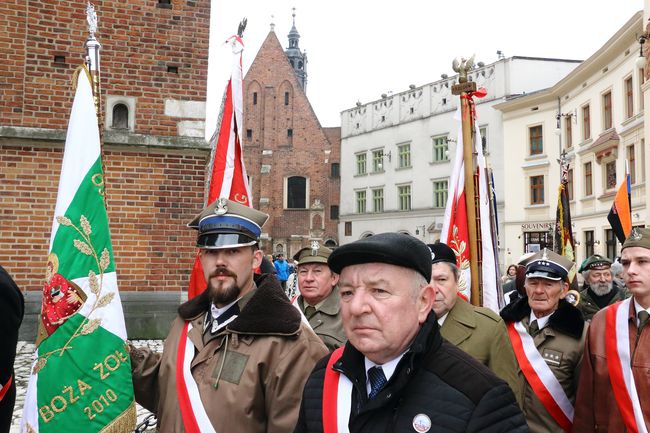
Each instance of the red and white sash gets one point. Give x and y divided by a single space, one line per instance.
195 419
337 398
5 387
540 377
617 349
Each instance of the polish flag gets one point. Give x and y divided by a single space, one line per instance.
227 172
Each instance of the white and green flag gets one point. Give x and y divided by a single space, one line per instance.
81 373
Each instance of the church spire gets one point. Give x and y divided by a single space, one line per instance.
297 58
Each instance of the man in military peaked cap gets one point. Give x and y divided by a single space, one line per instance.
319 294
478 331
617 352
396 373
547 335
599 288
243 349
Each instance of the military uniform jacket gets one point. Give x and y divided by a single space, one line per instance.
561 344
589 307
326 320
481 333
596 408
268 351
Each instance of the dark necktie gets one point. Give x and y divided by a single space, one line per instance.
217 323
377 381
533 328
309 311
643 319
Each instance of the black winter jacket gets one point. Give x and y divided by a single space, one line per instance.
433 378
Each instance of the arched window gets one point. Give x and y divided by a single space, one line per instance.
296 192
120 117
330 243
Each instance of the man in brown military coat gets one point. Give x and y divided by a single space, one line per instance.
319 294
547 335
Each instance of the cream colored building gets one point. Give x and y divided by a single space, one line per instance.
600 110
397 152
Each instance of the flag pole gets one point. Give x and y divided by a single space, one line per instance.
464 89
93 47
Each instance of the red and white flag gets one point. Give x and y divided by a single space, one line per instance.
455 229
227 172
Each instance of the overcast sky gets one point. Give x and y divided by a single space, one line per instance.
358 50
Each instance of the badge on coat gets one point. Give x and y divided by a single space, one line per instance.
421 423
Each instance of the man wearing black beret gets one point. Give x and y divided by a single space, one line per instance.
478 331
11 315
396 373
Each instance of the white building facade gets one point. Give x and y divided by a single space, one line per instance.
397 152
601 125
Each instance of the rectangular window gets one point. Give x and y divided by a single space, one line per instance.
361 163
289 132
404 196
484 139
589 187
440 149
348 228
629 98
537 189
569 185
440 190
632 160
537 241
335 170
334 212
286 98
249 133
536 140
610 175
610 242
586 123
377 161
404 152
378 200
254 98
568 129
589 243
607 110
361 202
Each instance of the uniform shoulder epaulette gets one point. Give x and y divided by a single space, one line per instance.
486 312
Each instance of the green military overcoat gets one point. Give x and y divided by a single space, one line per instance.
326 320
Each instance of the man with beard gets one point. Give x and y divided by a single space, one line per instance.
237 355
599 289
547 335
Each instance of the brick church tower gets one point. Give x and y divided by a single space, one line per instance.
154 71
292 161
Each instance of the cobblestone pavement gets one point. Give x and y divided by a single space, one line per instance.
24 354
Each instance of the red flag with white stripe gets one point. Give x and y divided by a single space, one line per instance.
227 172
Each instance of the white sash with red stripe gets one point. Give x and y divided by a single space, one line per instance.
4 388
617 349
337 398
195 419
540 377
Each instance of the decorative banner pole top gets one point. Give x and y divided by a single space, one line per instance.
462 66
91 17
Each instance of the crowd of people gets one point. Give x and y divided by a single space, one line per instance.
373 337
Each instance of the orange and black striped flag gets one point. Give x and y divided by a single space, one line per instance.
620 216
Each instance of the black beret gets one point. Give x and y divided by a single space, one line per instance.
392 248
442 253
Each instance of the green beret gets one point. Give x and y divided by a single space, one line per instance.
316 253
638 238
595 262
